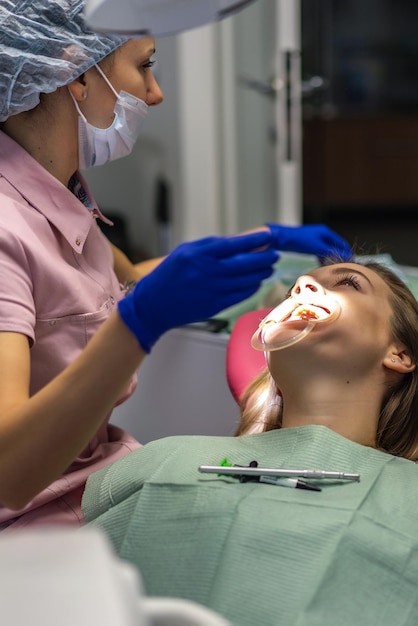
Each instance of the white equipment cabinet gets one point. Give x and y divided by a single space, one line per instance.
182 389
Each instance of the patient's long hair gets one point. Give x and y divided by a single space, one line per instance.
397 431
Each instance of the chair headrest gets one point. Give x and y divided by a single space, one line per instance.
243 363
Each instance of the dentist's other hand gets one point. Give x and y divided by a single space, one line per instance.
196 281
315 239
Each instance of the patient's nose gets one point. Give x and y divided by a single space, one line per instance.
306 284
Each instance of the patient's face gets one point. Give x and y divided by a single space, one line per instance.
361 334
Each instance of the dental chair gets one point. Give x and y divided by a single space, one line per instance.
243 363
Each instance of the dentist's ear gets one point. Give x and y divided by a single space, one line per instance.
78 89
400 360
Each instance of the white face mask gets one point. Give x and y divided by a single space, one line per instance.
97 146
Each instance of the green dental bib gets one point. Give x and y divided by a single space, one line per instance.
262 554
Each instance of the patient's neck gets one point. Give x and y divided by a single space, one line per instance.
350 408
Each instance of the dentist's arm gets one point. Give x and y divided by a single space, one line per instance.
126 271
41 435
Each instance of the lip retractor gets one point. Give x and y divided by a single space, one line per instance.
294 319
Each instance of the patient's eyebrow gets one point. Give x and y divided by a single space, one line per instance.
338 271
346 270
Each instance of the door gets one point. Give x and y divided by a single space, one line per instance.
240 132
264 112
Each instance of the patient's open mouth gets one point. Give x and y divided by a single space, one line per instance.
275 331
306 312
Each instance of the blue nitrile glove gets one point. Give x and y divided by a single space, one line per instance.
315 239
196 281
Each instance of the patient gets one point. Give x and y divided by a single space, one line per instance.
343 399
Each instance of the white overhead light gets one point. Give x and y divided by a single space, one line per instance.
157 17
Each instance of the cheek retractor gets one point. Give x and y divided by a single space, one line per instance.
293 319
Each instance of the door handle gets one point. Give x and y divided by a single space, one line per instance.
313 85
270 88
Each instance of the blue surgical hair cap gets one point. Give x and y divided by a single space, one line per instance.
45 44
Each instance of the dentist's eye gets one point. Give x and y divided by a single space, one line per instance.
349 280
149 64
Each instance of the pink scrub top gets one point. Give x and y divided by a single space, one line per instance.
57 287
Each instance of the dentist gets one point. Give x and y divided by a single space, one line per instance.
71 338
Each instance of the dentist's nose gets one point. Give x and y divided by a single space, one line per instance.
306 284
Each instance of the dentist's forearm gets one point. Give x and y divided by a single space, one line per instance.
42 435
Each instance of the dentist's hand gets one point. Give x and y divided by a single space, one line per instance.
315 239
196 281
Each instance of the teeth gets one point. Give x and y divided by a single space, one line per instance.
270 335
309 312
294 310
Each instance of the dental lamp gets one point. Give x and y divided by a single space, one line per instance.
157 17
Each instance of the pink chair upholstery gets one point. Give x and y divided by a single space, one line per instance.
243 363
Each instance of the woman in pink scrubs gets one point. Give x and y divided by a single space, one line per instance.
71 339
